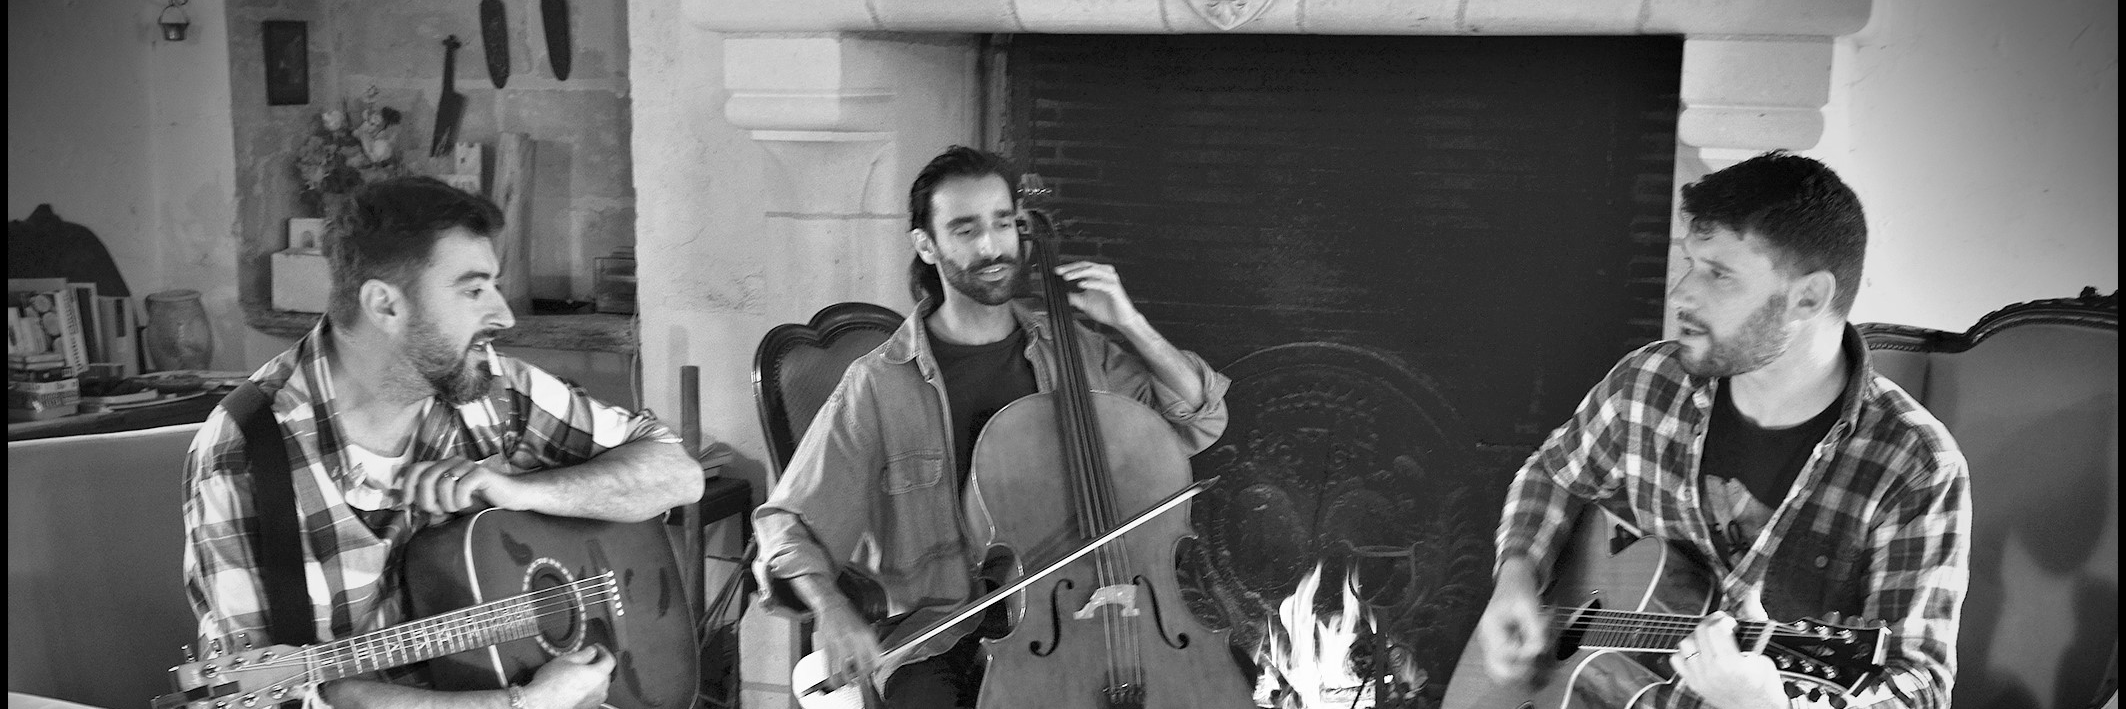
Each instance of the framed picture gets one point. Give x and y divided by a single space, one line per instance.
287 45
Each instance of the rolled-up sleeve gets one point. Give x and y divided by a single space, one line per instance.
1198 423
1577 462
818 512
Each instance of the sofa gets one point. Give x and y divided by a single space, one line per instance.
2031 393
96 608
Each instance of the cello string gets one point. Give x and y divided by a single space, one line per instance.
1072 422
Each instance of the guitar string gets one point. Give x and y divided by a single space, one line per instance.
527 607
313 674
1660 621
598 589
345 651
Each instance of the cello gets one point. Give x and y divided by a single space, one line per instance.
1110 630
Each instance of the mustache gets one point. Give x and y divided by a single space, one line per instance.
1691 321
998 261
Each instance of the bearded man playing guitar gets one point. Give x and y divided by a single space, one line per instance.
1763 445
876 486
396 415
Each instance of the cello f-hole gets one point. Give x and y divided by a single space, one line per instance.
1055 620
1178 641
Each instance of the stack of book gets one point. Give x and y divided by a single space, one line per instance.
59 332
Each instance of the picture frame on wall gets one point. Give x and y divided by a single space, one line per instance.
287 50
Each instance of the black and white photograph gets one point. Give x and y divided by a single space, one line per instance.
1131 354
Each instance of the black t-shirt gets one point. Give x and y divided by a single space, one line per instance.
979 380
1748 469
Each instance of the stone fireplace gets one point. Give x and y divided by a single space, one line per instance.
844 98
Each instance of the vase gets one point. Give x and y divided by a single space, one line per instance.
178 336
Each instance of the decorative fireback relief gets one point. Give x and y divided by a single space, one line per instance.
1341 455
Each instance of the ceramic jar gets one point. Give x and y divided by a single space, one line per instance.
178 335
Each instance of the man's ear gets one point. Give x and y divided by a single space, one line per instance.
383 304
1812 295
926 246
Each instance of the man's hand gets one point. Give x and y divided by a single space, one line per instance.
848 643
1101 297
456 484
1711 664
573 681
1512 631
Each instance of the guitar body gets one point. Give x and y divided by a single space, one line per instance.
496 554
1605 566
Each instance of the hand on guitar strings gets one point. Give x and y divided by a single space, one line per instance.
1712 664
1513 628
577 680
456 484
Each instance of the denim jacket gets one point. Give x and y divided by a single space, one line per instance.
870 487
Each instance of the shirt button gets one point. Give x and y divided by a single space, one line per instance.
1822 561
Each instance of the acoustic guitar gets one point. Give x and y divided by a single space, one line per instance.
501 593
1619 601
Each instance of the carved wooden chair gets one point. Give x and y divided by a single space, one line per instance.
2031 394
798 365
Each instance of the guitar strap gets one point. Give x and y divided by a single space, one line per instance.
280 544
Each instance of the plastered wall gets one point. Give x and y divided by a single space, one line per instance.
1983 140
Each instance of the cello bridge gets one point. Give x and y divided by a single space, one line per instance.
1123 595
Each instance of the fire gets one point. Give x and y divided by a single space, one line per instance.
1306 658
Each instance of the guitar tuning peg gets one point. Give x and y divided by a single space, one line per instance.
1837 701
246 638
190 651
1793 689
1815 693
214 648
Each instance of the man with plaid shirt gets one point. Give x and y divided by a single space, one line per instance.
1761 442
396 415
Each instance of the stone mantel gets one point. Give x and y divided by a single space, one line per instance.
1811 18
818 83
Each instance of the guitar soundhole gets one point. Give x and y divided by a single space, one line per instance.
1569 639
560 613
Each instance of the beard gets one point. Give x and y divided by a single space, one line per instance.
446 366
962 278
1761 339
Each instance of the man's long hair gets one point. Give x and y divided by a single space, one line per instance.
1812 221
956 161
390 232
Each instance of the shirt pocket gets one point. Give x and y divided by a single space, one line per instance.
1813 572
910 472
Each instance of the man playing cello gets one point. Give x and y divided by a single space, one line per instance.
876 486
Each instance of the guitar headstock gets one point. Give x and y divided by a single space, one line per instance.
229 676
1816 655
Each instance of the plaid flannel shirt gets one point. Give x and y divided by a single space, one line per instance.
353 526
1881 509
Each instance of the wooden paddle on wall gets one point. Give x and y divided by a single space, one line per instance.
494 39
450 105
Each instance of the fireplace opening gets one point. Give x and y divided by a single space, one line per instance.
1413 255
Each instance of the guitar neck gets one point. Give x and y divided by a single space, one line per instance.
1653 632
470 628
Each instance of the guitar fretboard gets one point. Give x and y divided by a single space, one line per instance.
1649 632
469 628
